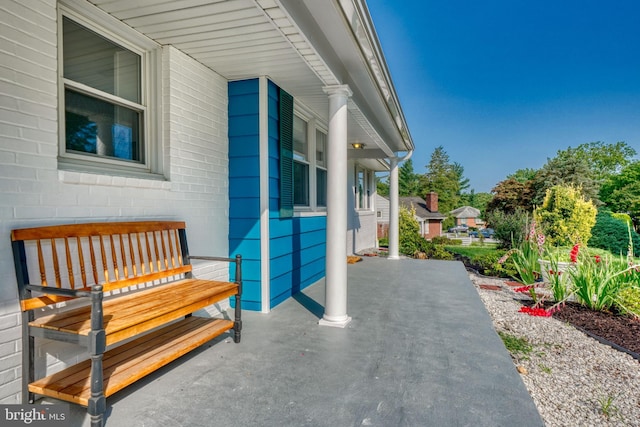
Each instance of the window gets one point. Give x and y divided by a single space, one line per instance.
300 163
363 182
321 169
103 99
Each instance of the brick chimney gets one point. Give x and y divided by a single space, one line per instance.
432 201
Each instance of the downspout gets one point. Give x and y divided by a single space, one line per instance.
394 205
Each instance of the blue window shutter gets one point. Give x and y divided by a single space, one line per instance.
286 154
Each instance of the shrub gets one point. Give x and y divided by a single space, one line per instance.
435 251
628 301
565 216
444 240
489 266
612 234
410 239
510 228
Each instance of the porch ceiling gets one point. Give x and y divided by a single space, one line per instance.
302 45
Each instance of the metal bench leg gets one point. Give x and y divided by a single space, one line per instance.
28 368
237 326
97 345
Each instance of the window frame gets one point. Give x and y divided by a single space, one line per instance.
313 126
321 168
364 200
106 26
302 160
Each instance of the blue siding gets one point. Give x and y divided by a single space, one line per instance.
297 245
244 186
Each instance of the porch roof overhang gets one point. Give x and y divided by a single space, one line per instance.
302 45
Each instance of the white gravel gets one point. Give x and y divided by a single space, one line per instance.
574 380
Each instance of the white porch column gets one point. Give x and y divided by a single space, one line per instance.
335 309
394 211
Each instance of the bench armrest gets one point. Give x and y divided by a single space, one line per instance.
59 291
213 258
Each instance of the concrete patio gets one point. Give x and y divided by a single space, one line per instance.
420 351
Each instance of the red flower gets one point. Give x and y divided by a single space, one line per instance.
523 289
574 253
597 257
536 311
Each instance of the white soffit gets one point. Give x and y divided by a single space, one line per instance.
302 45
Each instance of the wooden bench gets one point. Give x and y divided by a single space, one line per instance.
137 283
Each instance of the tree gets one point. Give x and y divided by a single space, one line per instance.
382 187
408 180
443 178
612 234
565 216
510 195
477 200
621 192
585 166
463 183
510 228
605 159
523 175
566 169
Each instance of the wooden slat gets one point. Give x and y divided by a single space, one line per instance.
132 361
94 266
83 272
165 255
141 255
43 272
56 266
42 301
114 259
155 247
93 229
171 253
178 247
149 257
103 256
72 283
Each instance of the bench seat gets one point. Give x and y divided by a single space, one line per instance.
126 364
127 315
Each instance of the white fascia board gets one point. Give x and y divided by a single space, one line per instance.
358 17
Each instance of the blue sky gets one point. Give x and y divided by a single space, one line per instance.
503 85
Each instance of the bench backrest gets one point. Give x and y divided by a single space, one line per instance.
113 254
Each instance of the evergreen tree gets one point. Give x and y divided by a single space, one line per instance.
408 180
566 169
443 178
621 192
382 187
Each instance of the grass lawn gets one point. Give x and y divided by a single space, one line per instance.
473 251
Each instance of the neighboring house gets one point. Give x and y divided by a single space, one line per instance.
467 215
426 213
382 213
240 117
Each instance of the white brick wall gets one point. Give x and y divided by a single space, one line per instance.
34 192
